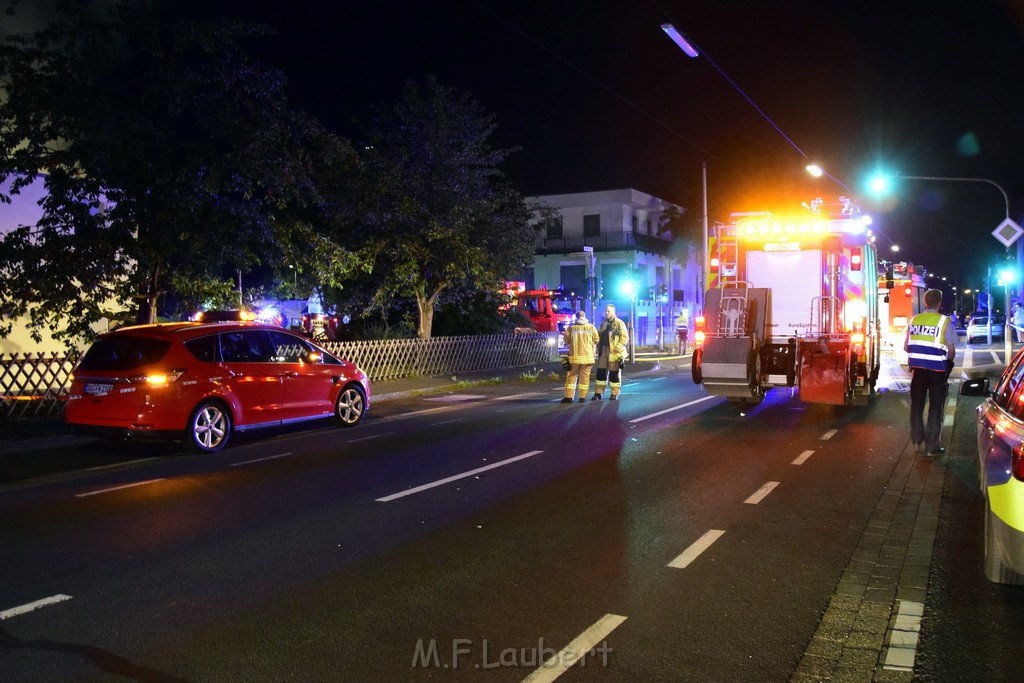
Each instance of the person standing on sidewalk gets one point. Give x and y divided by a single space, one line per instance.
581 339
931 347
611 351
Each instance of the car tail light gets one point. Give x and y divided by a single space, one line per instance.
699 337
856 258
714 264
158 378
1017 461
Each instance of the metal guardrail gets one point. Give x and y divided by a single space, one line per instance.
36 385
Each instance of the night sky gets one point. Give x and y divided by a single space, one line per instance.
595 97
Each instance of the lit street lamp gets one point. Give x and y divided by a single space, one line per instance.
895 248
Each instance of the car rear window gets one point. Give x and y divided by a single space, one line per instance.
123 352
203 348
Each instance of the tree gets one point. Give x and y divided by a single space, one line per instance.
168 155
438 223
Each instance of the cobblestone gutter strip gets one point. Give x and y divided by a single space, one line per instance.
870 629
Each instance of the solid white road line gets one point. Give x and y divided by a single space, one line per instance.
117 488
828 435
446 480
674 408
269 457
802 458
571 654
512 397
699 546
761 493
22 609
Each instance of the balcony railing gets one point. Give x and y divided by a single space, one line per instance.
609 241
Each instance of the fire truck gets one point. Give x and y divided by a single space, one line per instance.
900 297
792 303
549 310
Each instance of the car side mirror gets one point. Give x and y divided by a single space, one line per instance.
975 387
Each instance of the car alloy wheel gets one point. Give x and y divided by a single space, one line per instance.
209 427
350 407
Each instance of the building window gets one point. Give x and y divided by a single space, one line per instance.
555 228
592 225
649 227
636 223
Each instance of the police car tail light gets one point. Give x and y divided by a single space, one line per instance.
1017 461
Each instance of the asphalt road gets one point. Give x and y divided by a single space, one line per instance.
472 536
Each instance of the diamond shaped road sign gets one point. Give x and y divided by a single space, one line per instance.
1008 232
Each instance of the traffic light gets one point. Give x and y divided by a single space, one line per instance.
650 293
663 293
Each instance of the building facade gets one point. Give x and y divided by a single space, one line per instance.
610 247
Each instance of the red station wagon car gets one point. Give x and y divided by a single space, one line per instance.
201 381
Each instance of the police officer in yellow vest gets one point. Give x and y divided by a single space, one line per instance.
581 339
931 347
611 352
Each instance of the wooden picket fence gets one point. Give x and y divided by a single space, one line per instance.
36 385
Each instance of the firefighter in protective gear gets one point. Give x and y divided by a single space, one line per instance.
581 339
611 352
931 347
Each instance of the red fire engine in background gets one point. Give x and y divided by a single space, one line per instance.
794 304
549 310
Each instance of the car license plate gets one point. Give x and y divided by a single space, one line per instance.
98 389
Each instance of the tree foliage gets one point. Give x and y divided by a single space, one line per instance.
438 222
168 156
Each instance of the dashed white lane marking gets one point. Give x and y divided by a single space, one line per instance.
828 435
367 438
117 488
445 422
269 457
699 546
658 379
446 480
761 493
995 358
802 458
563 660
669 410
22 609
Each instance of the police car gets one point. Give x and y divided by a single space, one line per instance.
1001 470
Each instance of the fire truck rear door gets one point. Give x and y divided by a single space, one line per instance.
795 278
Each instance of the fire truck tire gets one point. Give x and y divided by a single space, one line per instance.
695 369
754 372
